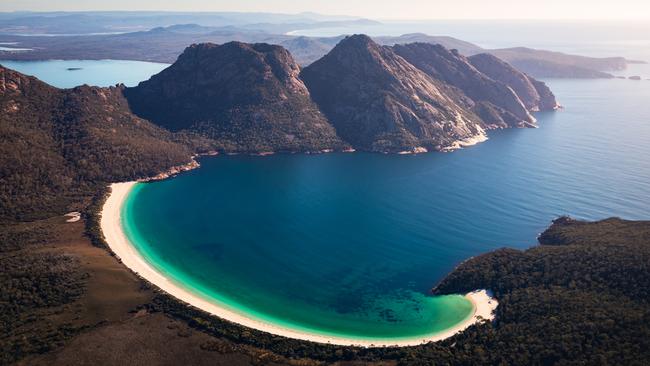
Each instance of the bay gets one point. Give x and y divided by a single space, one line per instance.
351 244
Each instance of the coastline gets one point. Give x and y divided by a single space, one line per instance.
481 136
117 241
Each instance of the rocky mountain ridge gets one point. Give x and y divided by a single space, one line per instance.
495 102
416 97
255 98
378 101
246 97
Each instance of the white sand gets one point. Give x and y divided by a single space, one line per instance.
73 216
111 226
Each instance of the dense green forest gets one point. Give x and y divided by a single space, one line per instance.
62 144
33 282
59 148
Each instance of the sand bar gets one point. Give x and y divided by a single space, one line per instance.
111 226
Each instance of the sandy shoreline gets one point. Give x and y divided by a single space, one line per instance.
111 227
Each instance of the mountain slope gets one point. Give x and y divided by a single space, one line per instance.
58 143
377 101
247 97
535 94
463 47
495 102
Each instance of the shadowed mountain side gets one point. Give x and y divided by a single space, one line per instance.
247 97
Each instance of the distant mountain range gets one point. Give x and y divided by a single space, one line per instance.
97 22
161 37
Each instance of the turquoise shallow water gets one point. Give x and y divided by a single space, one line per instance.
281 293
350 244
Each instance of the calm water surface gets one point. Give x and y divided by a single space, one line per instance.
350 244
91 72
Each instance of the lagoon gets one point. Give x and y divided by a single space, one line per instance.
71 73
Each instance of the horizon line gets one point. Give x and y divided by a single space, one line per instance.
614 19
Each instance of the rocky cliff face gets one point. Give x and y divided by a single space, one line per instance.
378 101
247 97
533 93
547 100
495 102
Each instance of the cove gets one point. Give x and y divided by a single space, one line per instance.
351 244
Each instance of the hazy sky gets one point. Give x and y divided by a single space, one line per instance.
397 9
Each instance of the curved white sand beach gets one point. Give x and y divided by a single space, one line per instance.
111 226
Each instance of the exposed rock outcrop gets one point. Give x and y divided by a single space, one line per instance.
378 101
247 97
494 101
533 93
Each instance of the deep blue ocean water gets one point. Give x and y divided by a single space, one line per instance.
350 244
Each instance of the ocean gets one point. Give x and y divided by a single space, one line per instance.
351 244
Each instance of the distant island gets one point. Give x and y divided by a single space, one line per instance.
74 68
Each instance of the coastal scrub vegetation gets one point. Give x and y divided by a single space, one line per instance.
62 144
34 281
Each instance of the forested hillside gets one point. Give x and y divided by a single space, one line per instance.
580 297
60 145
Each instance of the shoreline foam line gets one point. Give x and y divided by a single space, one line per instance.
111 226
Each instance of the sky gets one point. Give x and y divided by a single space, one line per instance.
377 9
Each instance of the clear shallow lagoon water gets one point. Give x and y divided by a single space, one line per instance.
351 244
91 72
